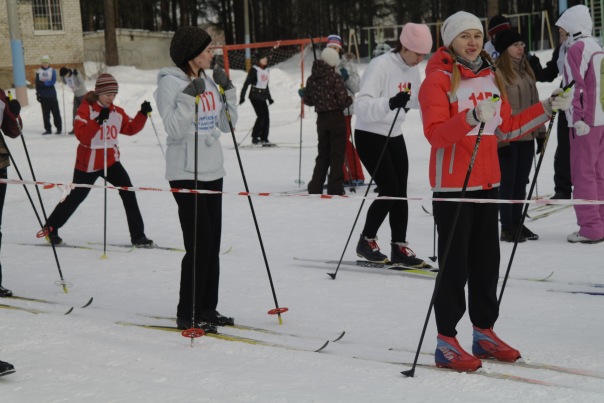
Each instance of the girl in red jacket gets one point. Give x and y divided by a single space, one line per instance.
455 99
96 116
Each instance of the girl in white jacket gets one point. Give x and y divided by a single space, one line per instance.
178 88
389 88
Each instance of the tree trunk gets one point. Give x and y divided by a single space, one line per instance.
111 53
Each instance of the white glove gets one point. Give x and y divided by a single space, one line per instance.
560 100
581 128
483 112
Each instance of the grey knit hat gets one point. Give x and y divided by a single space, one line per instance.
187 43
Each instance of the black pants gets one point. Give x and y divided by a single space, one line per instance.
473 259
331 129
51 105
562 181
515 162
260 130
117 176
391 179
3 175
207 248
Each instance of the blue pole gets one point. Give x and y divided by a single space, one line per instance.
562 5
18 62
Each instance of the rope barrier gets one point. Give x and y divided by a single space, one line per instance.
67 187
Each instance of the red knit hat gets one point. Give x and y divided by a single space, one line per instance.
106 84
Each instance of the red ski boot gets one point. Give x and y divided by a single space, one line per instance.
449 354
488 345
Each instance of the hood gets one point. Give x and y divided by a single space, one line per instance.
576 21
171 71
321 69
442 60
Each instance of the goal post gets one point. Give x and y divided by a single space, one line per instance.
289 52
288 55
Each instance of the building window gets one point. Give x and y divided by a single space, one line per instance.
48 15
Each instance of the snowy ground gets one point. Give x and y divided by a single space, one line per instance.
88 356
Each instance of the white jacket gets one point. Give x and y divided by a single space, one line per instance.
385 77
177 111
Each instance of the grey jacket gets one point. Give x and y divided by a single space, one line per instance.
177 111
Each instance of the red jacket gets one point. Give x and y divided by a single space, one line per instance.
446 128
90 154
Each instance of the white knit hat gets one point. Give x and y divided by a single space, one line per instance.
456 24
330 56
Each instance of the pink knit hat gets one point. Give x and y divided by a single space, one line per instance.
417 38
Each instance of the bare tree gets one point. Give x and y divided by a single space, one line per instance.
111 53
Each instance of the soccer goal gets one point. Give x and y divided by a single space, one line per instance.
287 54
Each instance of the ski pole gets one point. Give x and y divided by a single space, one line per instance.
64 110
157 135
411 372
528 197
350 180
277 310
105 134
194 332
334 274
433 257
62 282
245 137
300 181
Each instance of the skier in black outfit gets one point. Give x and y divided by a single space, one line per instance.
258 78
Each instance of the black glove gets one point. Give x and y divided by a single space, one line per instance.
221 79
270 101
15 107
75 72
146 108
195 87
38 97
540 144
103 115
535 63
399 100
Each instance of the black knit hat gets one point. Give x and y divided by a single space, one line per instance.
505 39
187 43
498 23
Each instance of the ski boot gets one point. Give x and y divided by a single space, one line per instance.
449 354
6 368
402 255
216 319
488 345
184 324
368 249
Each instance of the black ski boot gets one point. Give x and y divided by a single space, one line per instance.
216 319
404 256
53 236
6 368
5 292
184 324
368 249
142 242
